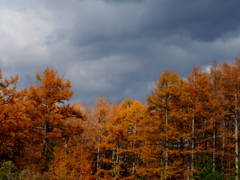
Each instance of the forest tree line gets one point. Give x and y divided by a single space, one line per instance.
185 120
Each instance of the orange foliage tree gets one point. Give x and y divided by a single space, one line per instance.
47 111
12 127
120 143
164 109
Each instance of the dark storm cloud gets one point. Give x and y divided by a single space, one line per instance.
123 1
150 22
202 20
115 47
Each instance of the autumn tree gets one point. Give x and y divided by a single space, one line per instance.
231 105
162 103
59 167
203 114
47 110
12 126
79 149
122 140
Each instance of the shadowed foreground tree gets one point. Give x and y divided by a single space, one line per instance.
205 169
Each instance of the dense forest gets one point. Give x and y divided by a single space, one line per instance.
189 129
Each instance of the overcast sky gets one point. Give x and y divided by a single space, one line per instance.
115 47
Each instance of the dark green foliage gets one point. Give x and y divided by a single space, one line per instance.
234 174
8 171
48 155
205 170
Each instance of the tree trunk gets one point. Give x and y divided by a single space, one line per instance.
236 134
214 146
166 154
193 142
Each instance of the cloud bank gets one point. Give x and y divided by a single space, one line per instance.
112 47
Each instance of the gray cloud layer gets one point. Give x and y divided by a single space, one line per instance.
115 47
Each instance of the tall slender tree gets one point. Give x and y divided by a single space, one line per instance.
162 102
